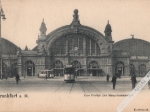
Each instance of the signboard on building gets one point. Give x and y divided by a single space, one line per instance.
140 57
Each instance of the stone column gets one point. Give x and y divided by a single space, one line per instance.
109 70
90 46
25 70
84 46
32 70
20 66
66 45
127 70
95 48
72 42
78 42
91 73
20 69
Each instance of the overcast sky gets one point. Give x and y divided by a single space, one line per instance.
24 18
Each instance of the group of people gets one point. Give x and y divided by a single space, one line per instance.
133 79
114 78
18 78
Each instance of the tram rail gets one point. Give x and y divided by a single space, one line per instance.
60 87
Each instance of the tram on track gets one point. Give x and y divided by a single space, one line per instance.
69 73
43 73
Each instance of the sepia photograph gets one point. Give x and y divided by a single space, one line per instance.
74 56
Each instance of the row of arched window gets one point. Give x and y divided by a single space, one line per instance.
141 69
75 45
76 64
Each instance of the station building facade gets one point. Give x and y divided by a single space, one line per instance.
88 50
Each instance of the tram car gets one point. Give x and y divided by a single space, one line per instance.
69 73
43 73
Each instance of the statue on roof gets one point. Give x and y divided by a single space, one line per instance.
132 36
76 14
75 21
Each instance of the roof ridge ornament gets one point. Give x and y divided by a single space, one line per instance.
75 21
26 48
132 36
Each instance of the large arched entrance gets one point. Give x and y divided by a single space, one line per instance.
30 68
94 69
142 70
9 71
119 68
75 45
58 68
77 65
14 69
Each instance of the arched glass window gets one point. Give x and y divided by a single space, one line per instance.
142 69
76 64
119 68
58 64
93 64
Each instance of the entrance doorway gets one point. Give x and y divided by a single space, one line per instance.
30 68
119 68
94 73
58 68
94 69
77 65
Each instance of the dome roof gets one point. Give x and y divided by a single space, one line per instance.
8 47
134 46
65 30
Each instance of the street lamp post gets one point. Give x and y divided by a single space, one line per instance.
2 15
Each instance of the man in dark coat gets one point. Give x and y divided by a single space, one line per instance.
107 77
114 78
133 79
17 78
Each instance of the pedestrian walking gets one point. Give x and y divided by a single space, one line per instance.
107 78
17 78
114 78
149 84
133 79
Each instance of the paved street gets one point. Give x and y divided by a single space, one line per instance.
57 85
